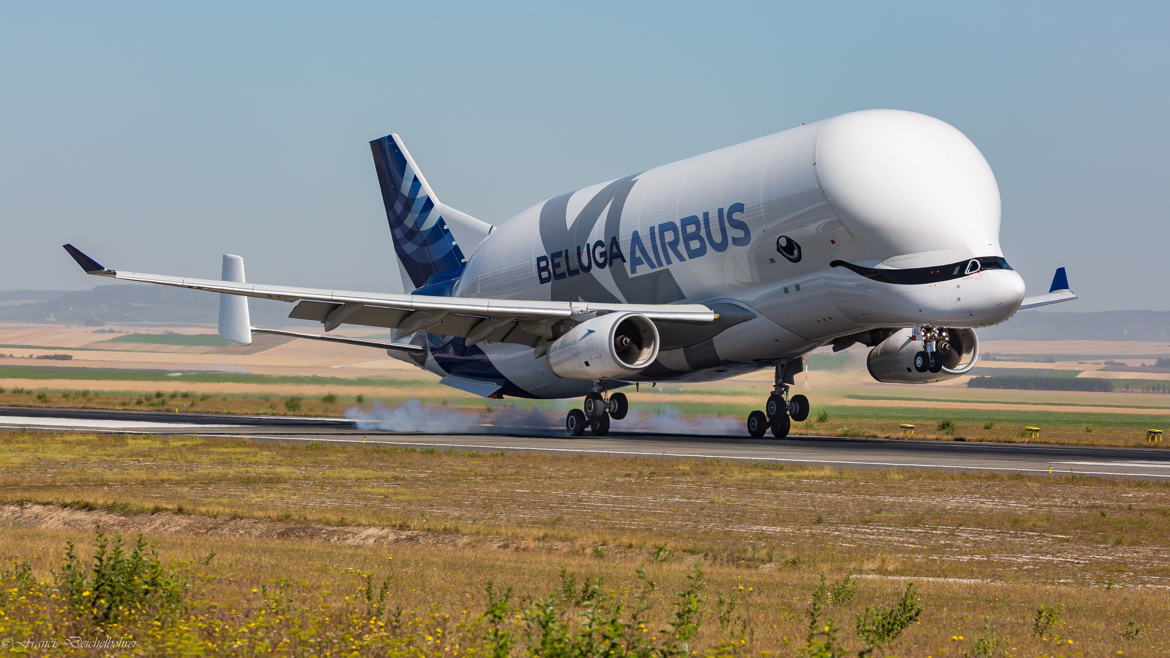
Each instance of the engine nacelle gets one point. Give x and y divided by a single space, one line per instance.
892 360
607 346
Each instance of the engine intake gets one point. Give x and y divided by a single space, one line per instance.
892 360
607 346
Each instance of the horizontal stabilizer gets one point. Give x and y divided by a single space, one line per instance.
478 387
401 347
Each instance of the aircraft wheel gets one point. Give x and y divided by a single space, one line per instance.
775 405
781 425
757 424
575 422
798 408
594 405
921 362
618 406
935 363
600 425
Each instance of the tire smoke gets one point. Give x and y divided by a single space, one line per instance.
416 416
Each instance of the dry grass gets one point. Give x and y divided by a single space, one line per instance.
980 547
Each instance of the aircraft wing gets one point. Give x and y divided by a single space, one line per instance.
1058 292
532 323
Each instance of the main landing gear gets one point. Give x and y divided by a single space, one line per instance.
596 413
928 358
780 410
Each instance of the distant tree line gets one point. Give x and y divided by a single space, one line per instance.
1042 383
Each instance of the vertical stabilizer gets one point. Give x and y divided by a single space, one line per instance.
235 323
432 240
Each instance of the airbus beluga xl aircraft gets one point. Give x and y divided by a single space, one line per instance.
878 227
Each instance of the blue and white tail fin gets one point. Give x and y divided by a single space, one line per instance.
432 240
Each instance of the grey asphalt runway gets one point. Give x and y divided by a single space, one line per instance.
1146 463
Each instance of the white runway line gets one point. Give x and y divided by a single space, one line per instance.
99 425
1120 464
685 455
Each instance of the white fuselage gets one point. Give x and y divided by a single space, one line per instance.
764 226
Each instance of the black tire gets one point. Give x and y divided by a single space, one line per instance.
921 362
594 405
600 425
575 422
935 363
618 406
775 405
798 408
781 425
757 424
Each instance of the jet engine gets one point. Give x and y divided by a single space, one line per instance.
893 359
610 345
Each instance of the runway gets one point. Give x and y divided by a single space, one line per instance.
1144 463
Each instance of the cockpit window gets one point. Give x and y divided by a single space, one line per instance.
932 274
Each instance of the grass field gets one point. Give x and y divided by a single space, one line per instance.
289 546
989 418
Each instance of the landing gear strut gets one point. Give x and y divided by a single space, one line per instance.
780 410
596 412
928 358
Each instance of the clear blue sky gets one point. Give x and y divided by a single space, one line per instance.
158 135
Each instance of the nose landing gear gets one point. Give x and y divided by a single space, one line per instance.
780 410
596 412
928 358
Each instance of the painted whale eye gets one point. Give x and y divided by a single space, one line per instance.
788 248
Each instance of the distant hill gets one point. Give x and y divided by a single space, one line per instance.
1103 325
25 296
128 303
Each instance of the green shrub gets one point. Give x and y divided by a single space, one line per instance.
118 582
661 553
821 640
375 596
15 579
292 404
841 592
879 625
1045 618
946 426
329 398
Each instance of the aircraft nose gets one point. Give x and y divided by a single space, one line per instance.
998 295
